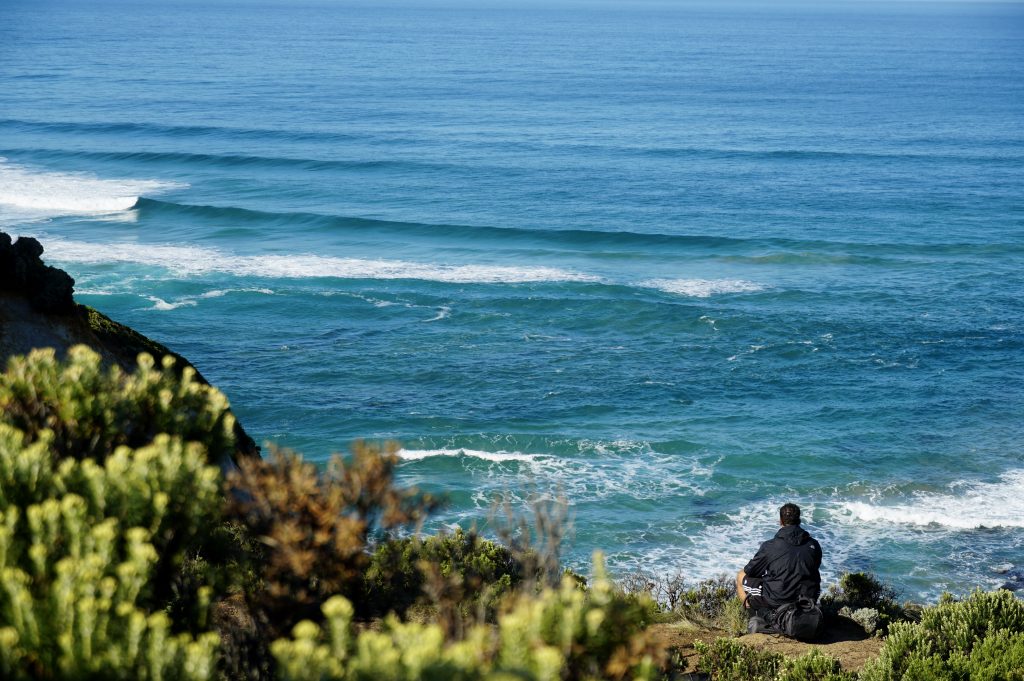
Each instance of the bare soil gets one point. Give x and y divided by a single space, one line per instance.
843 640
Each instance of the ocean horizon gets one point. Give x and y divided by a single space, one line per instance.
678 262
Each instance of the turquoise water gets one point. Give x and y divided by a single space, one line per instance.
683 263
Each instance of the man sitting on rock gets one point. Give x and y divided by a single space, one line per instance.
784 568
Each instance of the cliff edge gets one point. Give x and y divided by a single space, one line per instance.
38 310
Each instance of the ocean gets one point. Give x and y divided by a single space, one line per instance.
678 262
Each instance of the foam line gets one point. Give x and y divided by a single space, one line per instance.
196 261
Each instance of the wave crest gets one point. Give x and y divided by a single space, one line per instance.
49 194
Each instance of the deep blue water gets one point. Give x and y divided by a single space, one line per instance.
681 262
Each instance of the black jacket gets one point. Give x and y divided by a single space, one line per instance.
788 566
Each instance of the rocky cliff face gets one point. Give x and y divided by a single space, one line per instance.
46 289
37 310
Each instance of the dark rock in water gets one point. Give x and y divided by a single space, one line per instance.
22 271
1014 578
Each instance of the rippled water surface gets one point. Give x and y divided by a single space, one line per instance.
682 262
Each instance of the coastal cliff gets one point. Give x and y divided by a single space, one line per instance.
38 310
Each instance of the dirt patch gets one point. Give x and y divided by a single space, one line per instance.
843 640
680 636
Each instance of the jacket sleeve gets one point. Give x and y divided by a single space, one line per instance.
758 565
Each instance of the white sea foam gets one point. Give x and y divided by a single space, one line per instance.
702 288
37 193
192 301
494 457
195 261
164 306
601 470
442 313
848 529
706 549
966 506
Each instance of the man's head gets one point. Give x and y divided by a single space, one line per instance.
789 514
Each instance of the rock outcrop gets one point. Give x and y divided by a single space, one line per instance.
47 289
37 310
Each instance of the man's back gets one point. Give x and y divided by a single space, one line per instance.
787 566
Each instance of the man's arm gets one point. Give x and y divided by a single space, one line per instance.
740 594
758 565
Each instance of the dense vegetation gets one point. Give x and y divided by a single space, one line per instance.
125 554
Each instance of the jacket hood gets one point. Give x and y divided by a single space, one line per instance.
793 534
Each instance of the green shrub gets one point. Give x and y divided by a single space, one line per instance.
734 617
867 600
998 657
475 572
864 590
91 410
708 603
813 666
561 633
980 637
729 660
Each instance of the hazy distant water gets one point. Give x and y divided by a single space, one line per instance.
683 263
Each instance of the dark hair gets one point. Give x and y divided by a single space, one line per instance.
789 514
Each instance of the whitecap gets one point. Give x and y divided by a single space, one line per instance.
494 457
702 288
442 313
43 194
164 306
968 505
192 301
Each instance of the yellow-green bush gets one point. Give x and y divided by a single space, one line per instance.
92 532
559 633
91 410
77 563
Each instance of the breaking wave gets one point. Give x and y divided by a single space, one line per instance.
41 194
966 506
